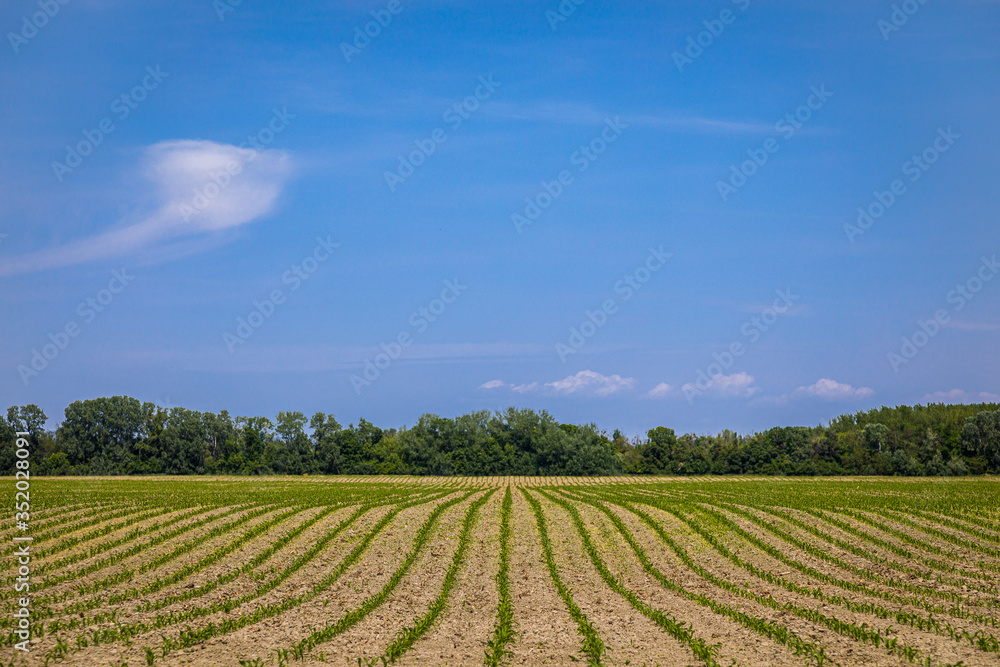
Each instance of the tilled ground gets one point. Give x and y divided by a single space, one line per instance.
341 583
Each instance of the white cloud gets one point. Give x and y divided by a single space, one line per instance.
584 382
831 390
591 382
737 385
661 390
176 170
180 167
961 396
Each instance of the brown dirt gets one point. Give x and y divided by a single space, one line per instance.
244 583
407 603
547 635
928 643
99 549
627 634
880 557
465 627
736 645
136 561
366 577
982 549
840 649
971 597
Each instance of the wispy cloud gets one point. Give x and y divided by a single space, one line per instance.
961 396
518 389
831 390
591 382
661 390
702 125
824 389
179 172
562 112
579 113
308 358
585 383
736 385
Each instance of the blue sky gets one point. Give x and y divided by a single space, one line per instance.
477 181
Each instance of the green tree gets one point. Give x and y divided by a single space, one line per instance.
326 443
103 435
426 449
358 445
905 465
255 435
220 432
875 436
8 448
936 466
184 443
929 447
592 453
981 437
28 419
296 455
659 453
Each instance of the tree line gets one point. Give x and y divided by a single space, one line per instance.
120 435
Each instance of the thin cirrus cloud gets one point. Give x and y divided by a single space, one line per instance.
493 384
584 383
178 171
823 389
661 390
961 396
736 385
831 390
742 385
577 113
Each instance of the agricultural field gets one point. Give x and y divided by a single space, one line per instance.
507 571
